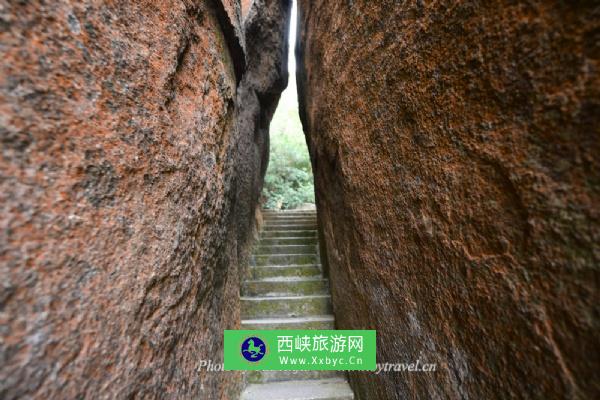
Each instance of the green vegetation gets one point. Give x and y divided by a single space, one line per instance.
289 180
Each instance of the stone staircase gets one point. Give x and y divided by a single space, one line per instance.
287 290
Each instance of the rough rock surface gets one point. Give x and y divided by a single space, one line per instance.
127 192
266 25
455 146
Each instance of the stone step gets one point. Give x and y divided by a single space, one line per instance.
314 224
286 216
286 286
313 322
271 271
285 249
295 233
284 259
322 389
279 376
288 213
288 241
290 217
270 220
292 220
285 306
286 290
289 227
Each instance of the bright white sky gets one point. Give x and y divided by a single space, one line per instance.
289 97
286 120
291 58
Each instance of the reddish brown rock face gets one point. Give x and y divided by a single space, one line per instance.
246 6
455 148
127 193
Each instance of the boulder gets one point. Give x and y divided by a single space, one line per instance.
125 210
455 150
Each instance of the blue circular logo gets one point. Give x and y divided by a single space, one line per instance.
253 349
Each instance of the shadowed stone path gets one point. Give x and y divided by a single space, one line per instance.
287 290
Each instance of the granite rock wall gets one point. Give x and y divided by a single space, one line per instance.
128 184
455 150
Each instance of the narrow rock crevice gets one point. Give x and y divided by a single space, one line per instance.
234 42
455 206
454 146
129 211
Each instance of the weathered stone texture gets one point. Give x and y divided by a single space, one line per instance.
123 217
455 146
266 25
246 7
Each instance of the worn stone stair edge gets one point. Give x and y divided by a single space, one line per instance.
312 232
289 237
291 220
285 266
281 298
287 279
285 255
286 246
322 389
273 320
